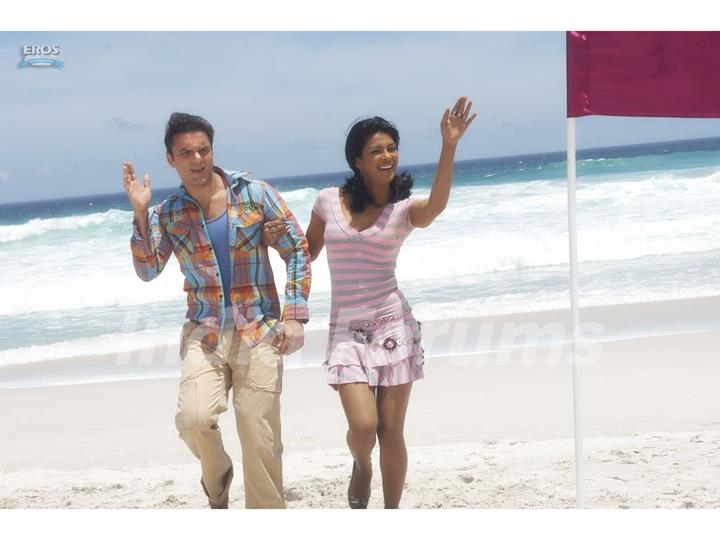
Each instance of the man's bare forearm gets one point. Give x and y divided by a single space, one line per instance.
143 224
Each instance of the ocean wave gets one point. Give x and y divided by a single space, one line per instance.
74 286
65 283
298 195
523 202
663 185
105 344
41 226
498 251
521 303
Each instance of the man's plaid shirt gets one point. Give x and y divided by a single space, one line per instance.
177 225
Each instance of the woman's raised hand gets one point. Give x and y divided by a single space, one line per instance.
456 121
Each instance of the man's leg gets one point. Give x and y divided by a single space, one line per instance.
257 382
204 386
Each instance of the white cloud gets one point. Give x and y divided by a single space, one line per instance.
4 177
125 125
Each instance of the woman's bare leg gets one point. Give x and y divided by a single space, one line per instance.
392 402
358 401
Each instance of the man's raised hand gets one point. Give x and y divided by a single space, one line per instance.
138 194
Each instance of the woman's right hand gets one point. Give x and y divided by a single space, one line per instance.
138 194
273 230
454 123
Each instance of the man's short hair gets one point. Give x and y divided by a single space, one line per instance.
185 123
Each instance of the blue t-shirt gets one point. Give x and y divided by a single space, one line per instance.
218 230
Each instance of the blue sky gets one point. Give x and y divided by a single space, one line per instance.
281 102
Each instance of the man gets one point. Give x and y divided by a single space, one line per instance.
233 337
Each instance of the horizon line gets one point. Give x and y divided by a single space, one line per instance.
507 156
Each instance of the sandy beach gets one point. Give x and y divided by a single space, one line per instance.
486 429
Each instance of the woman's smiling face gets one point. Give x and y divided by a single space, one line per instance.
379 160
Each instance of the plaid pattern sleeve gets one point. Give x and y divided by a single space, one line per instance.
150 256
293 248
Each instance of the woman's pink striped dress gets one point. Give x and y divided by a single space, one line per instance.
373 336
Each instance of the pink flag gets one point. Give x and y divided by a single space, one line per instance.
643 74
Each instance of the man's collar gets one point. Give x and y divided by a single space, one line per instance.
222 175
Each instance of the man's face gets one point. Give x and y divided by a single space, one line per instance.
192 158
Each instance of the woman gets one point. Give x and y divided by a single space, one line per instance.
374 352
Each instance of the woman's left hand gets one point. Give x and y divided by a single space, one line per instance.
456 121
273 230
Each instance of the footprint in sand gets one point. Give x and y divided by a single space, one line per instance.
84 489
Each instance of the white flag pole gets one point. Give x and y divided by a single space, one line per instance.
577 398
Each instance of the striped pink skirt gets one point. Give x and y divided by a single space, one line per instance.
384 352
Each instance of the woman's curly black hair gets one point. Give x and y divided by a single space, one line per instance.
360 132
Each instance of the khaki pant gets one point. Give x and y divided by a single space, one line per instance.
255 374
